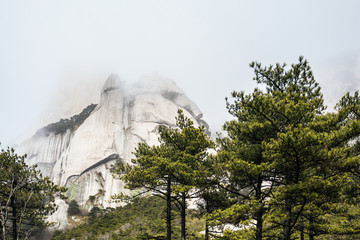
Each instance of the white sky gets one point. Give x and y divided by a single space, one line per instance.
205 46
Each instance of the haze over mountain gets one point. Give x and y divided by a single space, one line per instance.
88 137
205 46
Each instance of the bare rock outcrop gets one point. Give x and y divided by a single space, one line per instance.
78 152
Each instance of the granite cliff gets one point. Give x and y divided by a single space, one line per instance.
78 151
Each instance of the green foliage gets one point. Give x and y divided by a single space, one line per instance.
67 124
142 218
174 169
179 156
73 208
285 169
94 214
26 197
284 159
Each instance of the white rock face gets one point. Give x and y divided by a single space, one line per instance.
59 218
78 152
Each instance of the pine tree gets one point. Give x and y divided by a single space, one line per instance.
26 197
282 155
73 208
170 170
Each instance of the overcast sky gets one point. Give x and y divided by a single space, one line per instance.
204 46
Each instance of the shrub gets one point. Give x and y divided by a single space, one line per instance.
73 208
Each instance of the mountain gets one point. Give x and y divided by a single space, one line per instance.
78 151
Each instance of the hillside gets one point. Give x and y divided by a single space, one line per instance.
142 218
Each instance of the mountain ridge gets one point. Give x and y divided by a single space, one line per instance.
72 152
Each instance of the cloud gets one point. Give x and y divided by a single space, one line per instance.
337 76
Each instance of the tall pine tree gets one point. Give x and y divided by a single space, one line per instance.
282 155
26 197
172 168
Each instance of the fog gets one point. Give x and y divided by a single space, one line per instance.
48 48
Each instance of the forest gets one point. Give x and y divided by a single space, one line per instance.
285 167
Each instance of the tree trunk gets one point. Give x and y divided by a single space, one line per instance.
287 224
183 216
260 212
206 230
287 233
259 225
168 209
311 236
2 232
288 208
311 232
302 237
207 207
14 215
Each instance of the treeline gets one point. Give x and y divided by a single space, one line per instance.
283 168
71 123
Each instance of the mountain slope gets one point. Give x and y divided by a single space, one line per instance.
78 151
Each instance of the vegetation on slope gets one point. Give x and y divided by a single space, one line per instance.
142 218
67 124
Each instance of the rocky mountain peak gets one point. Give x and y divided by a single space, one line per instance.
78 151
113 82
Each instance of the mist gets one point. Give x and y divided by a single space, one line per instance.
337 76
50 48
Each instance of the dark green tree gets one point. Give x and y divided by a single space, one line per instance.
26 197
244 169
212 199
150 173
282 152
189 147
171 169
73 208
313 158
